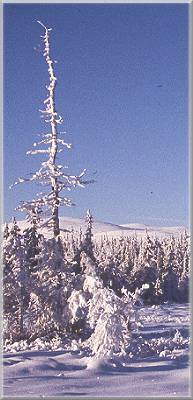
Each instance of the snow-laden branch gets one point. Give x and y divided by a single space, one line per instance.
49 140
39 151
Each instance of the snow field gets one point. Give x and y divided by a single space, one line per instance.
157 363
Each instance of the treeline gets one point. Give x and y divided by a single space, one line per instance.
68 285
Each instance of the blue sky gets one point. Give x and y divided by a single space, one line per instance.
123 93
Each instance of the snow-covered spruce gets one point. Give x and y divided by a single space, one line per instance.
87 244
16 283
159 262
49 296
53 287
109 317
112 320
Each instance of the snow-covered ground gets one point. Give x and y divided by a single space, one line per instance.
157 363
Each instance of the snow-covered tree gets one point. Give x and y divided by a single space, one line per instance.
6 232
15 284
51 173
169 277
87 245
54 287
109 316
145 269
98 314
49 289
184 279
32 240
111 335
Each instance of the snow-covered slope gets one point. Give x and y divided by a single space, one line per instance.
141 229
111 230
67 224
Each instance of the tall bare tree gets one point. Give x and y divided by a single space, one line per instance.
50 173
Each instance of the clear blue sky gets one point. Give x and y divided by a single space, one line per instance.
123 92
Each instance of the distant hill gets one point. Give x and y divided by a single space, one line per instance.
109 229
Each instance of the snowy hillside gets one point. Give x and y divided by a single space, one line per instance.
111 230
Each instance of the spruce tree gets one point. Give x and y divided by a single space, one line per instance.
32 241
169 284
87 245
15 284
6 232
